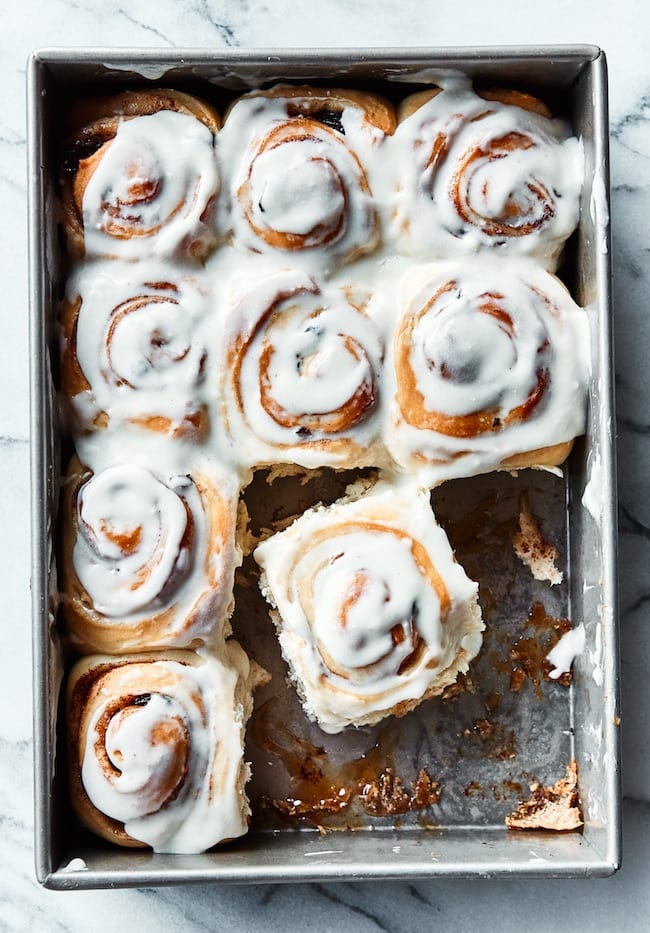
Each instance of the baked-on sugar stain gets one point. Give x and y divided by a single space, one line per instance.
321 789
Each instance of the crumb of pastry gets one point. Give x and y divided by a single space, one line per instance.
531 548
555 808
245 538
282 470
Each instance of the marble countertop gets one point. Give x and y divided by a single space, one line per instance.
622 902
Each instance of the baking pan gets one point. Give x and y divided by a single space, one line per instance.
484 760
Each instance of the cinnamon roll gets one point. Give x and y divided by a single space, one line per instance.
155 746
489 368
373 613
485 171
297 181
302 373
148 559
133 348
139 176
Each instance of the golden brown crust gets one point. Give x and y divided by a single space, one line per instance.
305 100
551 456
129 104
515 99
413 102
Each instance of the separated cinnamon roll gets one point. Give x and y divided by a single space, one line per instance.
133 348
490 371
155 746
302 374
147 559
373 613
296 179
139 176
492 171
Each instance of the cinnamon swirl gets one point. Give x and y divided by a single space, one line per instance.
133 348
147 559
485 171
490 371
373 613
155 747
302 373
294 159
140 176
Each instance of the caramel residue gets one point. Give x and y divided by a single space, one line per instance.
555 808
387 797
530 547
321 789
526 659
528 654
498 741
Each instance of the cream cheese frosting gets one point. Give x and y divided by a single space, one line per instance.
373 612
162 747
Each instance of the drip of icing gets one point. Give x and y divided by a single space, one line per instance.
562 656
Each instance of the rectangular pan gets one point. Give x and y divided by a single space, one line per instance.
479 845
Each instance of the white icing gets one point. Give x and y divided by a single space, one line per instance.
75 864
308 181
295 195
131 527
151 187
134 559
140 341
517 175
564 653
361 623
485 338
592 497
322 352
197 704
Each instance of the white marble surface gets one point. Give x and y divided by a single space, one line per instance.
622 902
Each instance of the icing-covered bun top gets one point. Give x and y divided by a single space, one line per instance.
295 163
485 172
302 372
135 346
373 612
147 190
489 361
159 748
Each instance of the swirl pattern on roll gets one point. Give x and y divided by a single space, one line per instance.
156 747
373 613
489 368
297 182
303 372
141 178
134 348
485 172
148 560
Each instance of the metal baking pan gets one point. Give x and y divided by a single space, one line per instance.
483 770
